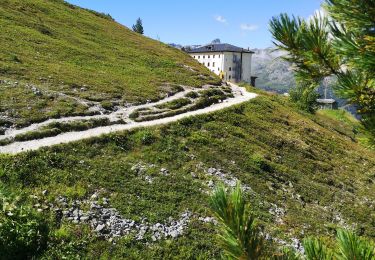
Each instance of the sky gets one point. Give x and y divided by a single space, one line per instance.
239 22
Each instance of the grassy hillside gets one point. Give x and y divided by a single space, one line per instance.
52 52
303 177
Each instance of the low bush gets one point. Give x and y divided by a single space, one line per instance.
192 95
6 141
57 128
145 137
79 125
23 231
37 135
134 114
175 104
107 105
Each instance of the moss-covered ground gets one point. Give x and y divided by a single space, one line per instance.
320 176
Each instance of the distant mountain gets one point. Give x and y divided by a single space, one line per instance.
179 46
273 73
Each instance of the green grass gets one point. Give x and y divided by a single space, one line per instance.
23 107
346 124
57 128
203 99
175 104
63 48
287 158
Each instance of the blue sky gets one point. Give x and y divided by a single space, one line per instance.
239 22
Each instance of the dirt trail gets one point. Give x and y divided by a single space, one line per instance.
240 95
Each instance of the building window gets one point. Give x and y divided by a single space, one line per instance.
208 56
230 76
230 68
218 69
213 64
199 57
219 55
213 56
204 57
208 64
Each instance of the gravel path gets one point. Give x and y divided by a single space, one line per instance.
123 112
240 95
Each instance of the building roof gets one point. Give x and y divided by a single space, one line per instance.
326 100
219 47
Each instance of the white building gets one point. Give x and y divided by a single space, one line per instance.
231 63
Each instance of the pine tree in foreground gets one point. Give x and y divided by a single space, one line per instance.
340 44
239 235
240 238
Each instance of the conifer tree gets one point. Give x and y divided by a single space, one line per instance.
138 26
341 44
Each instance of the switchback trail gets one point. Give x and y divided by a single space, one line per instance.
240 95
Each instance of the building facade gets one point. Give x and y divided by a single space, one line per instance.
231 63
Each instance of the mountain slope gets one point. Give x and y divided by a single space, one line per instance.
273 73
303 175
57 49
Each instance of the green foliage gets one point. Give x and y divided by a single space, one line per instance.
315 249
304 97
350 246
175 104
287 254
308 46
23 232
341 45
57 128
353 30
138 26
309 157
145 137
192 94
64 59
240 238
108 105
37 134
239 234
310 50
348 125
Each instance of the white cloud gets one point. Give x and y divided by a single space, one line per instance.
220 19
248 27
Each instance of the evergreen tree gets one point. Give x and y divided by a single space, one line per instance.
342 44
240 237
138 26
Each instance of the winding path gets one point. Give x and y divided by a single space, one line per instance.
240 95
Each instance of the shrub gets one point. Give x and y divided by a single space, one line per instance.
6 141
175 104
107 105
134 115
240 236
23 231
192 94
37 134
259 161
145 137
304 98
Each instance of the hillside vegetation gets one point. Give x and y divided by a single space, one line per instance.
301 175
54 57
